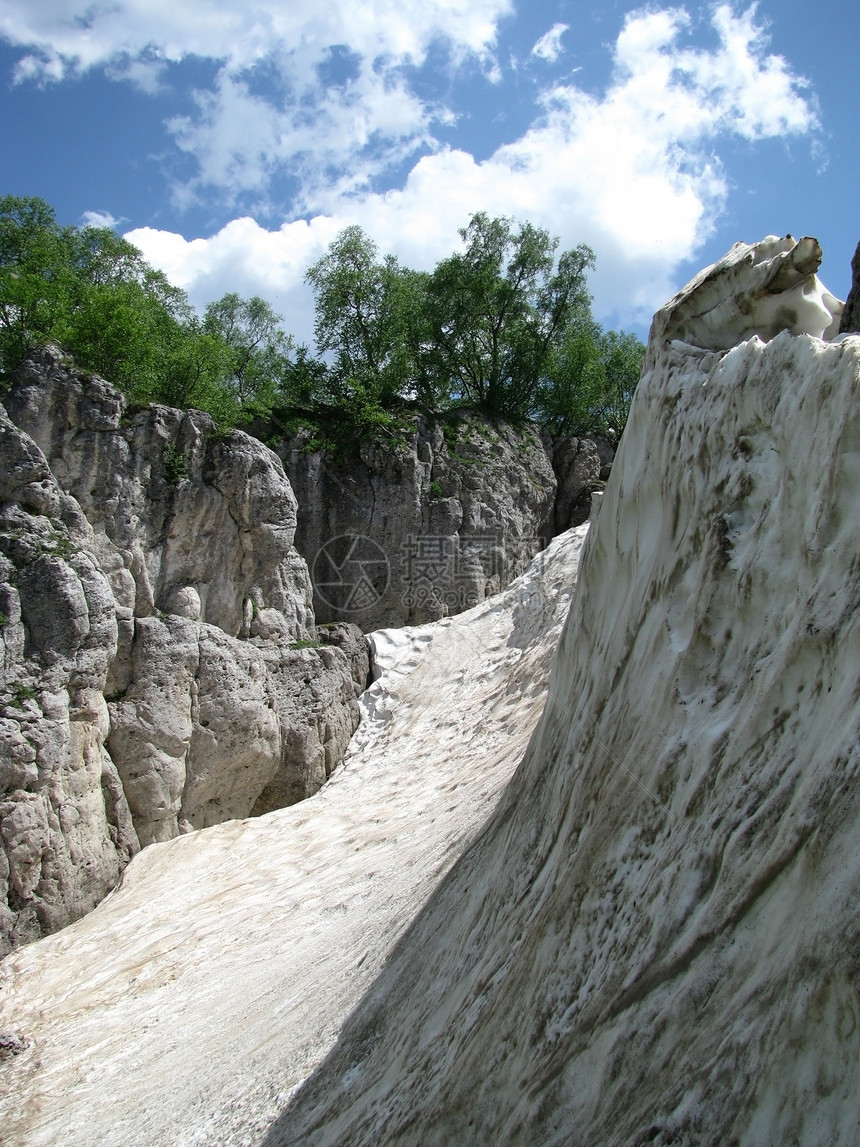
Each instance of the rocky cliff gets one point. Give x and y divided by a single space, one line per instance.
409 531
161 667
650 937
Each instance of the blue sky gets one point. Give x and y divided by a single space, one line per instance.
231 141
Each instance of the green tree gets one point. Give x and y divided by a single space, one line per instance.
369 315
589 383
255 348
123 319
502 326
35 274
496 310
622 355
194 373
88 290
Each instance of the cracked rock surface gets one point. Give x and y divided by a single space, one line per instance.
451 516
160 668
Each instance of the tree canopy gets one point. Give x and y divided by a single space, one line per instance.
503 326
497 309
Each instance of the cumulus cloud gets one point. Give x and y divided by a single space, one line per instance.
632 170
549 47
239 140
242 133
247 258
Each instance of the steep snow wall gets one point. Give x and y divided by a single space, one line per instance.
190 1004
655 940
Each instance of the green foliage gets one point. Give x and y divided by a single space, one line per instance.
88 290
503 326
367 315
94 294
252 346
19 693
496 310
34 275
370 320
589 383
175 466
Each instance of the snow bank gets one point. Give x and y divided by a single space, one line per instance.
188 1006
655 940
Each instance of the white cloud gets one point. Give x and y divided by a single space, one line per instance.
549 47
245 257
99 219
239 140
149 75
73 35
632 171
239 137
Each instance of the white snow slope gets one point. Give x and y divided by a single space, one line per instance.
186 1008
656 940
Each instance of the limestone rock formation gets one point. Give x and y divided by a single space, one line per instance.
578 467
177 509
409 532
65 827
850 321
161 669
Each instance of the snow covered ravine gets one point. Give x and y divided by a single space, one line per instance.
190 1003
648 936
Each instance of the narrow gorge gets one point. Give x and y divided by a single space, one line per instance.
588 870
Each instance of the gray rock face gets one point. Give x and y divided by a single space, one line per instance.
578 467
850 321
180 506
213 728
315 692
411 532
65 827
161 670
